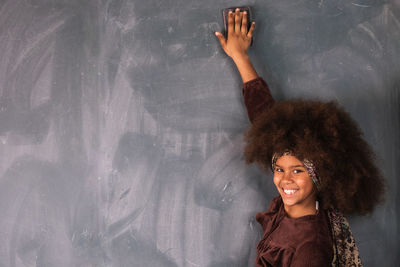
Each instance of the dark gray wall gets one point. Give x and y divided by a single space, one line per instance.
121 125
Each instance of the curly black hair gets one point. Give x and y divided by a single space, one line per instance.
327 135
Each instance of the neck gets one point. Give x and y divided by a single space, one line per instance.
302 210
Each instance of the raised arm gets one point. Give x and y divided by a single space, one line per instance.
257 97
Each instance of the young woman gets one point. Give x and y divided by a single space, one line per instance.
321 164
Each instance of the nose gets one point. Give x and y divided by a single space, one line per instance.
287 177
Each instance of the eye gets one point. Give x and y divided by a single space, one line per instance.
278 169
296 171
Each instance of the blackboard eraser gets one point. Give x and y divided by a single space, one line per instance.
225 13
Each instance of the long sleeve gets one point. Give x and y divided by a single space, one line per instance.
257 97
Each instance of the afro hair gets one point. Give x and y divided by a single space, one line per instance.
325 134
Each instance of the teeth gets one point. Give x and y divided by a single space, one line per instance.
289 192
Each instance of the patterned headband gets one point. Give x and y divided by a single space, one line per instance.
310 167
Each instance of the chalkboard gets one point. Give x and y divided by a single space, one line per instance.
121 125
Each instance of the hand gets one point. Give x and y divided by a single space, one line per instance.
239 40
238 37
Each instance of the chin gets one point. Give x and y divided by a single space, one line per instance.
289 203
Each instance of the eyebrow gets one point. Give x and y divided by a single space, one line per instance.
296 166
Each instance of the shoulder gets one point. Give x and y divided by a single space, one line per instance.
274 206
273 210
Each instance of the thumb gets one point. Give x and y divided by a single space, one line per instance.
221 39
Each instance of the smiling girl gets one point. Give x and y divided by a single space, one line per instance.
322 167
295 187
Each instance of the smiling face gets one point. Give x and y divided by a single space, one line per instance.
295 186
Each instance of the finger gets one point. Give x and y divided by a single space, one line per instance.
250 33
237 20
244 23
221 39
230 22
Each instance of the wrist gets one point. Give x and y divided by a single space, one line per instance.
241 58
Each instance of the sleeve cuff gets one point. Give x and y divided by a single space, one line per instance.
254 83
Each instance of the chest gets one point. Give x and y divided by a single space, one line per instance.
283 236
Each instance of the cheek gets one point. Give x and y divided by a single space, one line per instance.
306 183
277 180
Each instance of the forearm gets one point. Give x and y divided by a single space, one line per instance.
245 68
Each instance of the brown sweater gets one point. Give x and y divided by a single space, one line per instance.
257 97
304 241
